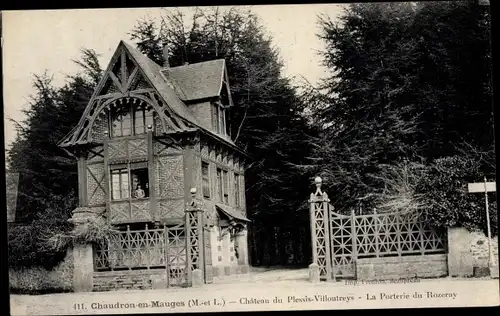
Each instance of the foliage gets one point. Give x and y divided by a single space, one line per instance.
93 231
48 175
37 280
408 83
449 202
400 193
27 242
266 120
439 191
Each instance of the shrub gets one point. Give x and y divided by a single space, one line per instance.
449 204
93 231
400 192
439 190
37 280
27 242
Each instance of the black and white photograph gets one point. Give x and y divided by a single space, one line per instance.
250 158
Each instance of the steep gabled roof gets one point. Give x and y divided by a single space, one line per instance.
153 72
197 81
171 86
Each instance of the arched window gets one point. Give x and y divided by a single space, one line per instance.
131 119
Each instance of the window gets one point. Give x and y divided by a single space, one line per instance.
129 180
131 120
142 119
219 183
215 117
205 179
121 125
219 119
225 182
228 126
222 123
119 184
236 189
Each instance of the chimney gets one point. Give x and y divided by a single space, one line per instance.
166 64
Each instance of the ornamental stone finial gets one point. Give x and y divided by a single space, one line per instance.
318 181
193 192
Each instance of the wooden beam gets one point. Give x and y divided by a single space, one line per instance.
152 179
131 78
123 70
82 184
116 81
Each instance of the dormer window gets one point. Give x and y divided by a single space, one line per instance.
220 122
131 120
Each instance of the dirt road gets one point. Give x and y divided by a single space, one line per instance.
267 290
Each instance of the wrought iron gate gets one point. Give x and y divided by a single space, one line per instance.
339 240
178 250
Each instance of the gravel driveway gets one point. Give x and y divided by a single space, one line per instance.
266 290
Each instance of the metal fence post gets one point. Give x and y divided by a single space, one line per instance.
354 255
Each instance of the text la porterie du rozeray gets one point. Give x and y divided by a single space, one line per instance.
407 296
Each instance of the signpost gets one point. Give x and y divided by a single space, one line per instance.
485 187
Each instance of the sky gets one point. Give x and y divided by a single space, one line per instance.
36 41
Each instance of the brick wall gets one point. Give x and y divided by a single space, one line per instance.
426 266
135 279
227 162
170 176
95 192
99 127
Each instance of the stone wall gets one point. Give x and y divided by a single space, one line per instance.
130 279
41 280
427 266
480 250
468 253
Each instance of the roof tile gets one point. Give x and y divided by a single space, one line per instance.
197 81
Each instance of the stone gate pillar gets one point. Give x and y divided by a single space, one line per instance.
83 253
242 244
320 234
195 241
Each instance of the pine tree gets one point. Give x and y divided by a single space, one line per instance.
48 181
267 120
409 82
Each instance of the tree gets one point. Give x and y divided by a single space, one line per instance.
366 107
403 77
267 105
266 120
48 175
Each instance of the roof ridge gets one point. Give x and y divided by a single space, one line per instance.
193 64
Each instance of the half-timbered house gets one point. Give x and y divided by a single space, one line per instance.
150 138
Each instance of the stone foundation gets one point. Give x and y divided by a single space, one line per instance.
230 270
428 266
129 279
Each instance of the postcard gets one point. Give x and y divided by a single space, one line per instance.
263 158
